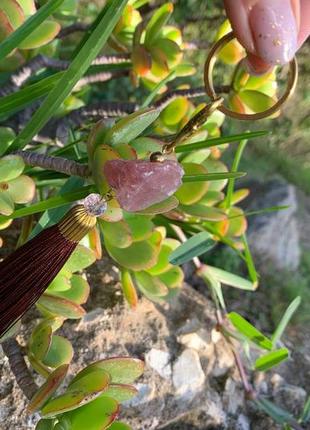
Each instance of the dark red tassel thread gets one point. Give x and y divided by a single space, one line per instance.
26 273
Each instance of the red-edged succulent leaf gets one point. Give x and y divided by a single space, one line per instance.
49 387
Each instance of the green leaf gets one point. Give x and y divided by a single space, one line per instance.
22 189
42 35
123 370
215 285
249 331
207 213
59 353
102 154
118 233
61 306
40 341
231 279
78 394
28 6
216 141
278 414
193 247
121 392
129 289
48 388
271 359
117 425
138 256
45 425
256 101
285 320
96 415
81 258
6 203
31 24
75 71
158 20
305 416
162 207
163 264
60 283
11 166
141 226
172 278
190 193
150 285
97 381
7 136
130 127
78 291
52 202
213 176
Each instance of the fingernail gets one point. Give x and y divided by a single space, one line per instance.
274 30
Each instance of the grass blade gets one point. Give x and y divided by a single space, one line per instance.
271 359
285 320
234 168
17 101
53 202
249 331
31 24
213 176
215 141
193 247
76 70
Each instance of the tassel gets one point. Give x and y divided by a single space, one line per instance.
25 274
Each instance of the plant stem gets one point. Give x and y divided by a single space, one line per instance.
58 164
76 27
39 62
11 349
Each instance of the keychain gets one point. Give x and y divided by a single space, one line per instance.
161 176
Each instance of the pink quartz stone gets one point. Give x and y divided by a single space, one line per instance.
139 184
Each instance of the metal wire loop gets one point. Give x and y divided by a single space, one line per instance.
208 79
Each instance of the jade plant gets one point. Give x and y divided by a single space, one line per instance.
157 166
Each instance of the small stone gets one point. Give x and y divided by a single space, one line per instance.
290 397
243 423
188 376
139 184
94 316
224 360
233 398
199 340
159 361
145 394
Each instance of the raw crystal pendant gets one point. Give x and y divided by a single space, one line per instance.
139 184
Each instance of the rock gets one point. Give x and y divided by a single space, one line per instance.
145 394
139 184
94 316
233 398
159 361
199 340
224 359
290 398
273 237
188 376
243 423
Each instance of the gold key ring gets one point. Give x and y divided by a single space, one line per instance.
208 79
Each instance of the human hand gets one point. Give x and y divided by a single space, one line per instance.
271 31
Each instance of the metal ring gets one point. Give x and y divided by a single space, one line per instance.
208 79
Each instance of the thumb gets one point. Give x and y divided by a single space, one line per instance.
267 29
